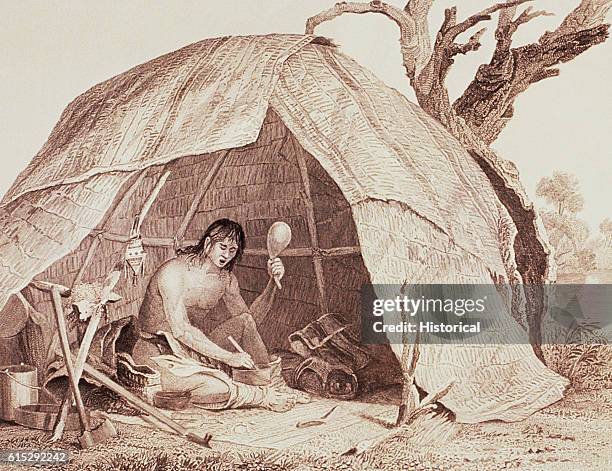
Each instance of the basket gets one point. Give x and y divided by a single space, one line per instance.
173 400
260 376
140 379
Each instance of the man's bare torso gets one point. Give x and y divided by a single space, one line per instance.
199 288
182 281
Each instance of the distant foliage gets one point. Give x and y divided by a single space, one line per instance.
569 237
566 232
603 245
606 229
562 191
587 366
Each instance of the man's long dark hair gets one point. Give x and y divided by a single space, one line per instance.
218 231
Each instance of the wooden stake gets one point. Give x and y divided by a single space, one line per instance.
92 327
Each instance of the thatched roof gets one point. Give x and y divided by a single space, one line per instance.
262 116
177 105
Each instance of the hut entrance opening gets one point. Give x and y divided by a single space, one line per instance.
272 179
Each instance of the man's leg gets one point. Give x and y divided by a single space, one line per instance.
216 391
207 385
244 330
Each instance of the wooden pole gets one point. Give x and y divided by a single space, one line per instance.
110 213
198 197
90 253
74 384
293 252
142 405
92 327
312 231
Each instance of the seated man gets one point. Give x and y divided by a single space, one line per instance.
200 276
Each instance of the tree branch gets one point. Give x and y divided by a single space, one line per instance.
529 15
429 86
484 15
472 45
418 8
488 102
486 106
411 21
507 26
419 11
588 14
395 14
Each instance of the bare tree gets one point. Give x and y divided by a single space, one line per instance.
486 106
478 116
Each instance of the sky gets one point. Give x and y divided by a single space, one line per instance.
54 50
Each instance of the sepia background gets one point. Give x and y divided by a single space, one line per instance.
53 51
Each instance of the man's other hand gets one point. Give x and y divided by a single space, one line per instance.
240 360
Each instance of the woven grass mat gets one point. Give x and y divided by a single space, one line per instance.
351 421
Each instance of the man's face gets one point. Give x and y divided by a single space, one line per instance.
223 252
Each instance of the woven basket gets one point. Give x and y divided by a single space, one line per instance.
140 379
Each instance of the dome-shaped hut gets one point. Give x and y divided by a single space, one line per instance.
260 129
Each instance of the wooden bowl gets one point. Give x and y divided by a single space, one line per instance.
42 417
260 376
173 400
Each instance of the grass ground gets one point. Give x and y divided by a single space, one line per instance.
572 434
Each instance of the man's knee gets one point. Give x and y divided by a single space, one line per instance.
211 390
246 319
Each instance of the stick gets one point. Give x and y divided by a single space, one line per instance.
235 344
92 327
151 199
278 283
